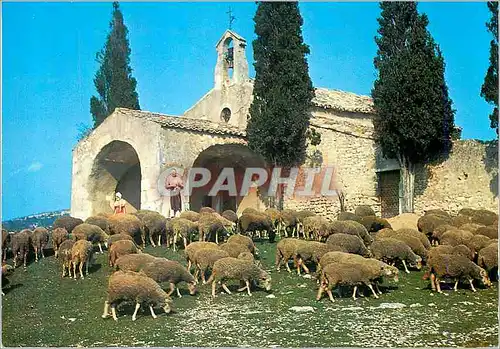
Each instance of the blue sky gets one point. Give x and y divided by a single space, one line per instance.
48 59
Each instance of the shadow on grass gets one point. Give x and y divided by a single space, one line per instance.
10 288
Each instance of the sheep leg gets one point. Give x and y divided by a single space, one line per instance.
248 287
330 295
455 288
105 313
178 292
297 263
225 288
306 269
172 289
25 259
203 279
185 242
152 312
64 270
213 288
189 265
406 269
438 285
137 306
378 290
100 247
36 254
354 293
41 250
320 293
74 270
373 291
288 267
113 312
471 285
81 269
217 237
175 240
151 240
433 282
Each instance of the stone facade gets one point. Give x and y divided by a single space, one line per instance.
131 151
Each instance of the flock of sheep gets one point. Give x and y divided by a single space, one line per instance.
357 249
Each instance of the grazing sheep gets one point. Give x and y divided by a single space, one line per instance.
173 272
169 232
21 245
194 247
204 259
134 262
92 233
374 223
81 252
472 227
59 235
121 248
349 216
488 259
349 243
246 256
243 240
316 227
301 215
117 237
191 215
64 255
469 212
5 243
455 267
275 216
137 287
352 228
39 241
438 232
390 249
100 221
288 222
154 225
413 242
426 224
460 220
456 237
211 225
234 248
489 231
230 268
415 233
363 211
478 242
311 251
128 224
437 212
67 222
250 210
183 229
448 249
285 249
484 217
207 210
6 270
256 222
230 215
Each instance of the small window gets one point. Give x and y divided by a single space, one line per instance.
225 114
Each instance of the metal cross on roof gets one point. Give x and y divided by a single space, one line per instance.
231 18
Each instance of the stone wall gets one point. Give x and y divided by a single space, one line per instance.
467 178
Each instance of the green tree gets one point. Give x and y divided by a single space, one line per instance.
280 111
414 119
489 90
113 81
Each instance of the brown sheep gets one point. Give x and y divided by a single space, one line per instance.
448 249
154 225
478 242
349 243
183 229
489 231
134 262
488 259
212 225
484 217
285 250
288 222
390 249
426 224
472 227
21 245
460 220
311 251
349 216
191 215
163 270
59 235
194 247
413 242
81 252
206 210
5 242
117 237
456 237
204 259
131 286
67 222
128 224
415 233
230 215
64 255
243 240
101 222
90 232
39 241
121 248
438 232
374 223
363 211
233 248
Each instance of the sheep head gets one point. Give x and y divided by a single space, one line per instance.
167 305
265 280
484 277
192 288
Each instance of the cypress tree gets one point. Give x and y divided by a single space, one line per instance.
414 119
282 94
113 81
489 90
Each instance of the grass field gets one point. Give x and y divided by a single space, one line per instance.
43 309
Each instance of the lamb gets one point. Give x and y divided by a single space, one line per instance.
363 211
256 222
204 259
183 228
456 237
131 286
59 235
121 248
413 242
100 221
488 259
230 268
39 241
67 222
21 245
81 252
456 267
117 237
390 249
448 249
191 215
233 248
163 270
243 240
230 215
64 255
92 233
134 262
154 225
194 247
128 224
349 243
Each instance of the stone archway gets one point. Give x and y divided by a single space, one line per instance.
115 168
215 158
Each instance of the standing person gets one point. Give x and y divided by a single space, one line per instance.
174 184
118 206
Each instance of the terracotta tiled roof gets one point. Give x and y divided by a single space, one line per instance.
343 101
183 122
